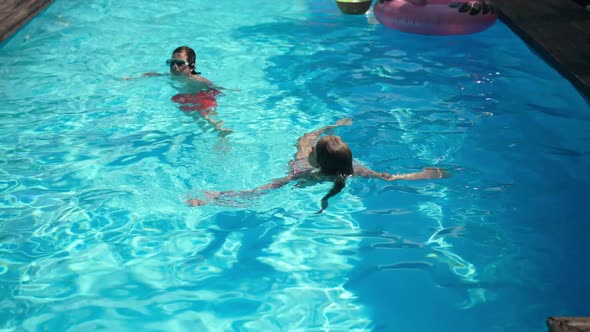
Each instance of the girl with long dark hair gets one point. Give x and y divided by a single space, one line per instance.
320 159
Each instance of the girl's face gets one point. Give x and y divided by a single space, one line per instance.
312 158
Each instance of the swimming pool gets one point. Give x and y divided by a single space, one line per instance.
94 170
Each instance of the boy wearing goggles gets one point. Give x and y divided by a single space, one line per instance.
203 101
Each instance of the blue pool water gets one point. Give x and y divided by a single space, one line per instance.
94 171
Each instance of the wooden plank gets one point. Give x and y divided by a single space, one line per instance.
558 30
16 13
568 324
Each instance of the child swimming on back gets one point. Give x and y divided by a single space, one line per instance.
326 158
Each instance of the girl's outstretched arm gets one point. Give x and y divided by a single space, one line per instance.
307 141
217 196
427 173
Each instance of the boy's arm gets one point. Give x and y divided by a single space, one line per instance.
148 74
152 74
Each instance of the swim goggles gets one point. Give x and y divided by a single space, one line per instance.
178 62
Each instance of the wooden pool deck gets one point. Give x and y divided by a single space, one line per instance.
16 13
559 30
568 324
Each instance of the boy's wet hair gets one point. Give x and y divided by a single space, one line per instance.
190 54
335 159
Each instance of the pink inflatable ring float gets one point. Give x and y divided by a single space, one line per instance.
436 17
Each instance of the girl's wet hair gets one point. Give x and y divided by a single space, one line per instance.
335 159
191 56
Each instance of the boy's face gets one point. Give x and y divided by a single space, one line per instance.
179 64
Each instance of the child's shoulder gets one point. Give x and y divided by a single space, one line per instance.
360 169
200 78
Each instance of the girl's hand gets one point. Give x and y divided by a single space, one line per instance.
211 196
427 173
195 202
